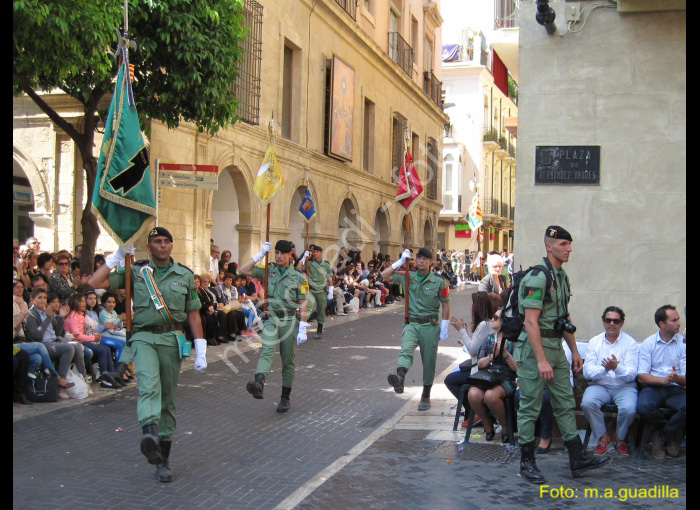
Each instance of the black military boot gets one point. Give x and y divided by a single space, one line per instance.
425 398
284 404
579 462
163 471
255 388
397 379
150 444
528 467
319 330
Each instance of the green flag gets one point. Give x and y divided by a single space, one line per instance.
123 197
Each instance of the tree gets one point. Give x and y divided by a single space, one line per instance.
185 65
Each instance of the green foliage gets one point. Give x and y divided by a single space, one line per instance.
186 60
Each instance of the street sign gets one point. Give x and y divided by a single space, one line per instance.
188 180
186 167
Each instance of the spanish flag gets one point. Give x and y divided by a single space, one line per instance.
269 180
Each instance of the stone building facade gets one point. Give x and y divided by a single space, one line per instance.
618 82
394 86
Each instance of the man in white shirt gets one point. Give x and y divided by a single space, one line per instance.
214 263
661 371
610 369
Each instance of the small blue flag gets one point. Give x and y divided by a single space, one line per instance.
307 208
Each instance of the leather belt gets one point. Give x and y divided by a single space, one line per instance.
278 314
423 320
550 333
160 329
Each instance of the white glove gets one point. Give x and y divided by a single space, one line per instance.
304 257
443 329
330 292
200 362
115 258
404 257
263 250
132 251
301 336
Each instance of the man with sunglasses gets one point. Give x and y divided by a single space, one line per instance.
427 292
611 369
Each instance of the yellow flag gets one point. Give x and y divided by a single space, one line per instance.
269 180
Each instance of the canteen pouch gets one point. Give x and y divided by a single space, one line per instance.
185 347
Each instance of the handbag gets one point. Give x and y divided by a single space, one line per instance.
80 389
486 378
465 366
43 389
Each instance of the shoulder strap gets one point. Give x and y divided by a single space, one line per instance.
156 296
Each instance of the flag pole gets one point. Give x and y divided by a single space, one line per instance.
408 247
307 247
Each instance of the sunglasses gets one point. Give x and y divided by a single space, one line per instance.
612 321
62 264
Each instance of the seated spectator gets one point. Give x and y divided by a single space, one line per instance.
472 336
83 355
45 265
42 325
227 296
207 312
20 376
99 260
494 281
75 325
61 281
490 354
116 342
372 291
611 369
661 372
19 307
108 318
247 306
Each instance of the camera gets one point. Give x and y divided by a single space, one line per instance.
563 324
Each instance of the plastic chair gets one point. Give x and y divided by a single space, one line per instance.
510 418
462 401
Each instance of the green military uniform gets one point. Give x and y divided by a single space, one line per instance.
156 353
286 288
319 272
425 294
532 294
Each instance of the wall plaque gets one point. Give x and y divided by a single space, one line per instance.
567 164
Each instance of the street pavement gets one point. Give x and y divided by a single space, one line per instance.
349 440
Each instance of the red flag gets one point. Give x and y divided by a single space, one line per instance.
410 188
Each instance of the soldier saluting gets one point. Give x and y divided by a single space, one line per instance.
285 320
426 293
164 298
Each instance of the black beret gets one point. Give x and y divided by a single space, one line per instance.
425 252
283 246
315 247
160 231
558 232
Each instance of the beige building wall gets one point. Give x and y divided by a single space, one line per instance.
621 84
354 207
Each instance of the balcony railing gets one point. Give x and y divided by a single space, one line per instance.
504 211
450 205
491 206
432 87
401 53
349 6
512 213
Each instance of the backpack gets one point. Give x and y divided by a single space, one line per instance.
511 321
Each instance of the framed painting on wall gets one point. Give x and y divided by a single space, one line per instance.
342 109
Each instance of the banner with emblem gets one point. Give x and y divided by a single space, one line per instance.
123 198
409 189
269 180
474 217
307 208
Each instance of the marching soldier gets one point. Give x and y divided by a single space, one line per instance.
164 297
320 278
285 321
426 292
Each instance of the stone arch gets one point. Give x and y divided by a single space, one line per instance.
42 216
235 225
382 231
349 226
295 221
428 234
407 238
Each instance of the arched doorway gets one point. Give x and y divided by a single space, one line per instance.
349 232
22 204
381 232
407 237
428 235
230 208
